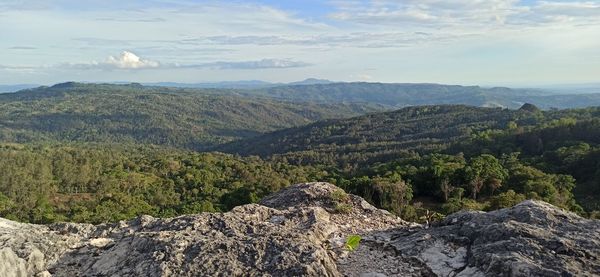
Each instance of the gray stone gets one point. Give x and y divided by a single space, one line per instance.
297 232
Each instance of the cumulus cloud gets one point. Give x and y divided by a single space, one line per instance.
126 61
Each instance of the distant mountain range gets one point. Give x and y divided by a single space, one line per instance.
573 88
385 95
251 84
244 84
13 88
200 118
402 95
545 90
179 117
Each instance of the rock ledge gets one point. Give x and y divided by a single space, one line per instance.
299 231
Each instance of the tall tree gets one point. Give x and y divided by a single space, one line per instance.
484 170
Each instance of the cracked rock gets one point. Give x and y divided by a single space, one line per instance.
297 232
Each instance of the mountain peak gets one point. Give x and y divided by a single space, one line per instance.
529 108
64 85
312 81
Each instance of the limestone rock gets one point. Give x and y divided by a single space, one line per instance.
531 239
299 232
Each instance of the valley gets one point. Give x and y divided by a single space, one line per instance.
101 153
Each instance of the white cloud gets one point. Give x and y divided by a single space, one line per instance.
245 16
428 13
551 11
352 40
466 13
19 69
128 60
125 61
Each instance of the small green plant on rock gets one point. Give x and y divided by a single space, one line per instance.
341 201
429 217
352 242
342 208
339 195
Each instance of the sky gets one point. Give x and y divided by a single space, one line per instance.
469 42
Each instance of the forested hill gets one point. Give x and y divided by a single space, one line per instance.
82 153
547 154
379 136
383 136
401 95
133 113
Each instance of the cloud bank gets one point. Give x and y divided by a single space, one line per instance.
466 13
130 61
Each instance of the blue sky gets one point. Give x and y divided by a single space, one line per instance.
485 42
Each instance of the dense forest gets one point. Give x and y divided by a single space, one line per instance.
98 183
101 153
192 119
380 136
556 151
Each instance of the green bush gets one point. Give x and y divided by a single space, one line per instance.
341 201
454 205
505 200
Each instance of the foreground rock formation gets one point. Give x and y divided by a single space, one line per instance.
301 231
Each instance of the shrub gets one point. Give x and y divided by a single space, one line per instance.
454 205
595 215
341 201
505 200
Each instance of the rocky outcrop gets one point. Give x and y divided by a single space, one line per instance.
532 238
301 231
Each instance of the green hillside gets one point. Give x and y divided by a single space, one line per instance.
192 119
536 153
103 183
100 153
379 136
